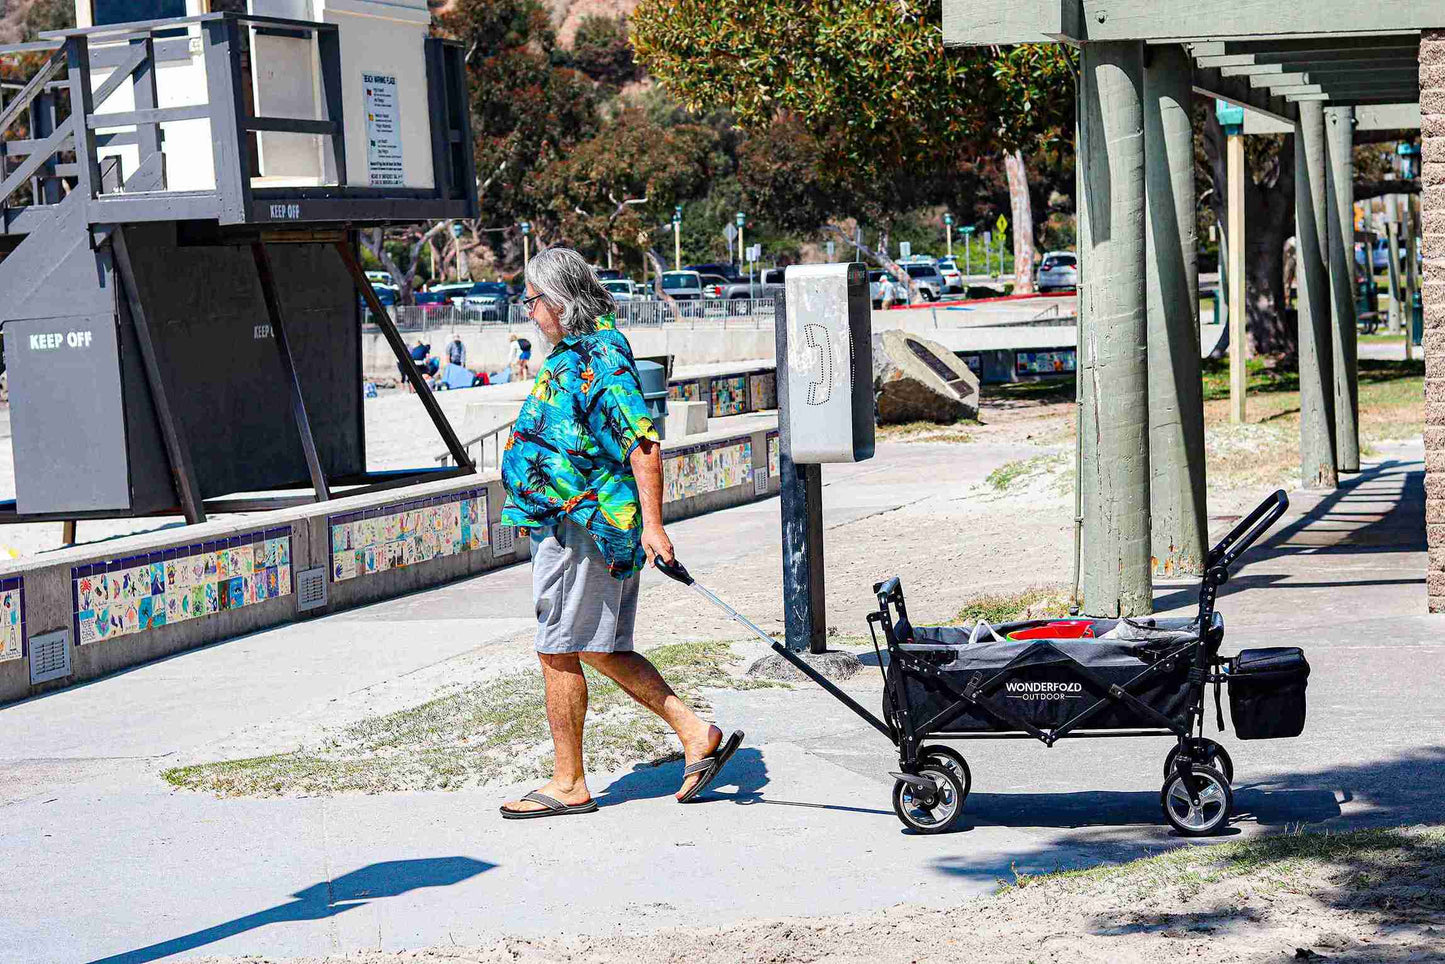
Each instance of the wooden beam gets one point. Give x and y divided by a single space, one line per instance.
1381 117
973 23
1209 83
267 277
982 22
178 452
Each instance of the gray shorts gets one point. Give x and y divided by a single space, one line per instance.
581 608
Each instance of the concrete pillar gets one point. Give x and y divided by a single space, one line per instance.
1316 351
1432 218
1340 200
1179 531
1113 364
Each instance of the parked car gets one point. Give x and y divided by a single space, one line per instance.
880 282
927 277
1380 255
379 277
623 289
430 301
725 268
952 276
1059 270
607 274
682 285
492 297
453 291
388 295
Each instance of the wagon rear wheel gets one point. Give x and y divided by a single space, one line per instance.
1199 816
929 812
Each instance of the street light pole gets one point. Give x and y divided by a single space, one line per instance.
948 226
967 252
677 237
526 245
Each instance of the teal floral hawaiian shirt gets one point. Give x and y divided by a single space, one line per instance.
569 447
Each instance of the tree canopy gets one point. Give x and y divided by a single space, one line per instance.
872 79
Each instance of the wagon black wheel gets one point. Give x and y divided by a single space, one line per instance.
931 812
1197 817
1212 755
947 756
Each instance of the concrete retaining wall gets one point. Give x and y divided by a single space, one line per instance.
385 536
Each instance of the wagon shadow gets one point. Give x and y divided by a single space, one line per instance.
1106 808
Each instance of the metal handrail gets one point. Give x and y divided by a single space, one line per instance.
445 458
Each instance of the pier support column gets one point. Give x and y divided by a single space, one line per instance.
1316 337
1115 577
1177 508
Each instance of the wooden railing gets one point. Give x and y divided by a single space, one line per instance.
129 53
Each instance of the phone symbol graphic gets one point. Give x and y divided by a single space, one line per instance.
820 389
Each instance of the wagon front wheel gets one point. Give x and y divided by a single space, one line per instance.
929 811
1201 815
1211 755
948 757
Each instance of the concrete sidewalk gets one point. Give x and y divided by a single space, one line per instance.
107 863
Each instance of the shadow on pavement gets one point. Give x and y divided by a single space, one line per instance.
1121 826
388 878
747 771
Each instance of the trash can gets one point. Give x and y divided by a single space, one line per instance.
654 391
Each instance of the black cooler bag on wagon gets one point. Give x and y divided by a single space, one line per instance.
1267 692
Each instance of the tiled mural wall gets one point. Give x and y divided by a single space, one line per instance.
138 593
405 533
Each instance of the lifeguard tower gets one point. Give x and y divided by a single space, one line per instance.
180 291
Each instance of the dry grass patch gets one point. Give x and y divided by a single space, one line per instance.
489 732
1040 602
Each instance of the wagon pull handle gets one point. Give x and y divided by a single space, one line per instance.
673 570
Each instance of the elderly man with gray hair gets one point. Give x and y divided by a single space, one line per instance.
583 473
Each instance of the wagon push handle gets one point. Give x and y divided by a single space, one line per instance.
1231 547
1246 532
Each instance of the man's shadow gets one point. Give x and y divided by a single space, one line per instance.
389 878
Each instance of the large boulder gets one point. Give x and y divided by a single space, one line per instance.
920 380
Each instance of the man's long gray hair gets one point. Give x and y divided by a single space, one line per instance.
564 278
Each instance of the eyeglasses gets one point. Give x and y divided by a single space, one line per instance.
531 302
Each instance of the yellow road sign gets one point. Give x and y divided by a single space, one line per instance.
1001 225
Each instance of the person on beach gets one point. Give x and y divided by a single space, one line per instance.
583 474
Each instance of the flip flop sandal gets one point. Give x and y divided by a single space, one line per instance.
554 808
710 766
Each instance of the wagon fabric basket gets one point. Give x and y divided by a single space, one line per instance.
1048 683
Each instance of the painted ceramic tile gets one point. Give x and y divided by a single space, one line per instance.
283 579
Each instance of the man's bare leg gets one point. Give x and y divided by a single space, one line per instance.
566 713
641 681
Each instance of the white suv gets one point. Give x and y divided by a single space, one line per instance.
927 277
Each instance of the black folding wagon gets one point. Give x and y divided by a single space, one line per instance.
1080 677
1055 678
